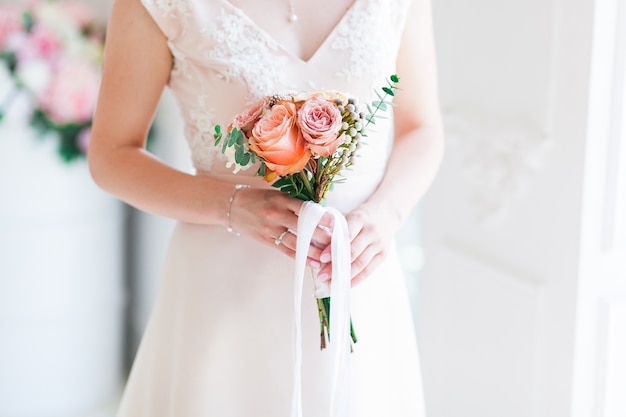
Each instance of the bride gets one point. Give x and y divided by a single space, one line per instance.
219 339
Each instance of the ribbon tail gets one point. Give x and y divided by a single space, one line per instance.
308 219
340 315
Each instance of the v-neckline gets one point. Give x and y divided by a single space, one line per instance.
279 45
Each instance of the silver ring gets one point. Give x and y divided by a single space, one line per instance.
279 240
325 228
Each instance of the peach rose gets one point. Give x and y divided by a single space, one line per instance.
72 93
246 120
277 139
10 22
320 121
45 41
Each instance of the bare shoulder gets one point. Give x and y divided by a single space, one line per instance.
136 68
131 21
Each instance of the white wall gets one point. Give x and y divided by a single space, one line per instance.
505 302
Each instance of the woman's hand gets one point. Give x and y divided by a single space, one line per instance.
271 217
371 231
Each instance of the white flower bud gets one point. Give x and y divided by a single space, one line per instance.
35 74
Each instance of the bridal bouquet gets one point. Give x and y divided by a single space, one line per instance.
303 142
50 56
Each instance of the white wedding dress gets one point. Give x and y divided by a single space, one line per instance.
220 338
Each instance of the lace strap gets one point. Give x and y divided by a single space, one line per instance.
169 15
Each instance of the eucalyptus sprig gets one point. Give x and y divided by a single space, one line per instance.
383 102
320 174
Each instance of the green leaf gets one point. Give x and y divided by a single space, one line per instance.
218 134
262 170
395 78
28 21
239 155
245 159
381 105
235 137
10 58
389 91
225 143
282 181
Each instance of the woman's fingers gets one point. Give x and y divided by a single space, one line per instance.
369 240
362 264
365 272
272 217
289 242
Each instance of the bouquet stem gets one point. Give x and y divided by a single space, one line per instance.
323 307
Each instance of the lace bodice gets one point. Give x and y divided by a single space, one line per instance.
224 61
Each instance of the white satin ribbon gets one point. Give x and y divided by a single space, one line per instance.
339 346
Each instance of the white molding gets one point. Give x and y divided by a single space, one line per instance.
486 333
499 154
614 224
610 383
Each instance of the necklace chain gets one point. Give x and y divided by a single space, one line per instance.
293 17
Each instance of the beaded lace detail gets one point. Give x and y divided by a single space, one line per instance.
199 134
172 8
246 54
181 66
365 36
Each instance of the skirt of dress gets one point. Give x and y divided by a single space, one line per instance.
220 338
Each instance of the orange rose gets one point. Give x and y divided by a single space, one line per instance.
277 139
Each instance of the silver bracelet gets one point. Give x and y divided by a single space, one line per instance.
230 206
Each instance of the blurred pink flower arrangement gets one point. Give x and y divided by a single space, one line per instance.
50 55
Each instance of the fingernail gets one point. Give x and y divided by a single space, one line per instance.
323 276
325 258
315 264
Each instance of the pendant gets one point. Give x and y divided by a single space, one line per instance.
293 18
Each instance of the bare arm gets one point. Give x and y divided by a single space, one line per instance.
418 146
136 68
416 154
